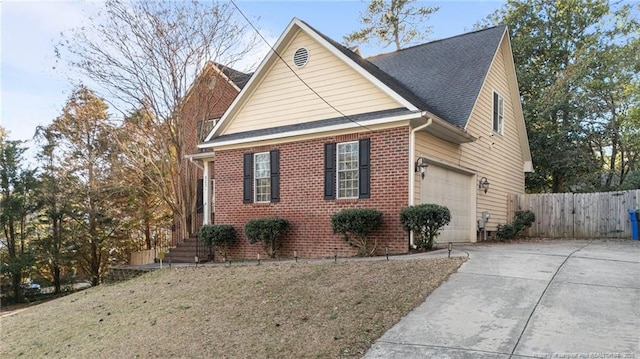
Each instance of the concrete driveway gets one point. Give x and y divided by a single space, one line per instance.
555 299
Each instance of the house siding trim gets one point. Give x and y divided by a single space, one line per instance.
320 130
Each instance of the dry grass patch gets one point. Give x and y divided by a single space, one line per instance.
306 310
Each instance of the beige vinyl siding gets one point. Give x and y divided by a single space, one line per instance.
282 99
497 157
428 145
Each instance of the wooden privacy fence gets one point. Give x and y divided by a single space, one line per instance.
142 257
578 215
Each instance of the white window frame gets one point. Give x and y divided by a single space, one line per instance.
256 178
357 170
500 121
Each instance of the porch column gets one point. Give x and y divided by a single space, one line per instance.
206 194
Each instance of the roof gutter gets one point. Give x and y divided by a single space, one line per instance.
199 156
412 155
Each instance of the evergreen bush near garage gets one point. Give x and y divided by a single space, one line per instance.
355 225
426 221
521 221
268 231
218 235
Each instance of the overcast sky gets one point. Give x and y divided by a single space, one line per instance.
35 87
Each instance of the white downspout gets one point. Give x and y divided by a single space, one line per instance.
206 194
412 155
195 163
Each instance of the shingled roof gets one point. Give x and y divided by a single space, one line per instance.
443 77
447 74
383 76
239 78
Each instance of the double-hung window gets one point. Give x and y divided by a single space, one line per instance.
498 113
347 170
262 177
261 180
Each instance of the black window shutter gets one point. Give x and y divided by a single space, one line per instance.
365 168
274 162
248 178
329 171
199 202
495 111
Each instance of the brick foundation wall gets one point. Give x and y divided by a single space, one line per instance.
302 198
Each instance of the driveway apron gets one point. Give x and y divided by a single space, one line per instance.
558 299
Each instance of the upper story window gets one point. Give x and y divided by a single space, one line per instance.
262 177
205 127
498 113
348 170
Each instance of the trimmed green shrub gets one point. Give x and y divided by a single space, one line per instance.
521 221
426 221
218 235
268 231
355 225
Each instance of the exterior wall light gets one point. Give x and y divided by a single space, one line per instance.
421 165
484 184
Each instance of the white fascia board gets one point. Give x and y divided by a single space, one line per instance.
528 166
519 113
344 126
200 156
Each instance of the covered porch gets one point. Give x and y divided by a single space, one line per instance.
206 197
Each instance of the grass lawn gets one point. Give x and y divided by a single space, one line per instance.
275 310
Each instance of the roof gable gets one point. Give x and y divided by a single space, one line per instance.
451 71
346 59
443 78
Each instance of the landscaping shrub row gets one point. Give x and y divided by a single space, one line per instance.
355 224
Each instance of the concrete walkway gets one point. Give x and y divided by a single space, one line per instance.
555 299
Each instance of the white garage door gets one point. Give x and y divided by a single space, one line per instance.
456 191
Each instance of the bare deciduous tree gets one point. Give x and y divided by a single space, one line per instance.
145 55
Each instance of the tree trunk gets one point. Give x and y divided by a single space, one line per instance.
95 265
147 231
557 185
56 279
16 282
16 275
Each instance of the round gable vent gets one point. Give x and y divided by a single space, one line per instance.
301 57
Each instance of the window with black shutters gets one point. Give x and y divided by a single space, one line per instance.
261 177
347 170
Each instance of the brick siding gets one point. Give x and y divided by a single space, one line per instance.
203 103
302 197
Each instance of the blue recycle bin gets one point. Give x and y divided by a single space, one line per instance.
633 217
